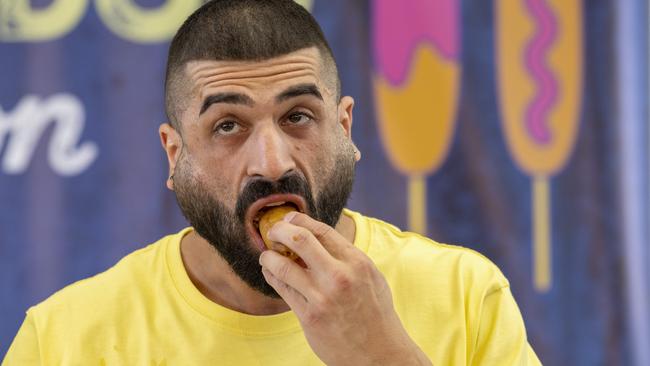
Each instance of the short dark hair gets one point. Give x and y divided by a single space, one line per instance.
248 30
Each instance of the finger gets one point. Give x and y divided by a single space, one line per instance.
302 242
296 301
331 240
287 271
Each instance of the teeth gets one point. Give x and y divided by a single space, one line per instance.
275 204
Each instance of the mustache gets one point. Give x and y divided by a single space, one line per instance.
258 188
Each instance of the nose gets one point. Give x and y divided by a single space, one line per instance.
269 153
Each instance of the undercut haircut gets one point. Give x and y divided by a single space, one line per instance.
241 30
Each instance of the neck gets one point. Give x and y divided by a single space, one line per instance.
214 278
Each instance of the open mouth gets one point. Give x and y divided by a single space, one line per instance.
263 210
259 207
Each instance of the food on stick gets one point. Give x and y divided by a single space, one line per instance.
267 220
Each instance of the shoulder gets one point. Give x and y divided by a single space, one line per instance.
132 274
387 245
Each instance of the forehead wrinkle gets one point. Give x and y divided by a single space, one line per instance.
208 87
199 70
242 80
218 74
198 66
209 74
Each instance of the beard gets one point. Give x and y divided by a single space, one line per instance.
226 231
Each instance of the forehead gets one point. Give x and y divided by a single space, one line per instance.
303 66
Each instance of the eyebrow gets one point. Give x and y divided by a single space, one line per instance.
230 98
243 99
298 90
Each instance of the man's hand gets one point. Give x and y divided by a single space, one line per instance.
343 302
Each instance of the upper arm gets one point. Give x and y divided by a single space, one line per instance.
501 338
24 350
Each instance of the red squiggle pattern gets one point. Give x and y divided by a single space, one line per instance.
537 113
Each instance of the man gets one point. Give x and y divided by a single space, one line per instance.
256 120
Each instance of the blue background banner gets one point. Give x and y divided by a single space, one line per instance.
82 173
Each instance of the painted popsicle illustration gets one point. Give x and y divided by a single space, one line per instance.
416 83
539 65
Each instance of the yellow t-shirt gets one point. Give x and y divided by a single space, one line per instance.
454 303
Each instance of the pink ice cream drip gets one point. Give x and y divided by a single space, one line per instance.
399 27
537 113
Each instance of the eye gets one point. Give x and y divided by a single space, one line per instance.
228 128
298 118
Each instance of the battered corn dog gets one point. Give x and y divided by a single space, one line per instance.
267 220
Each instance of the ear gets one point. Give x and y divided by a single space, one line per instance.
172 143
345 121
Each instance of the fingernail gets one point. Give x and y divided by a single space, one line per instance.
288 217
260 259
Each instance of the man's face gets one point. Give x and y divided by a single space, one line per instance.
256 134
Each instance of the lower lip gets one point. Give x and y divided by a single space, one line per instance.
256 237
